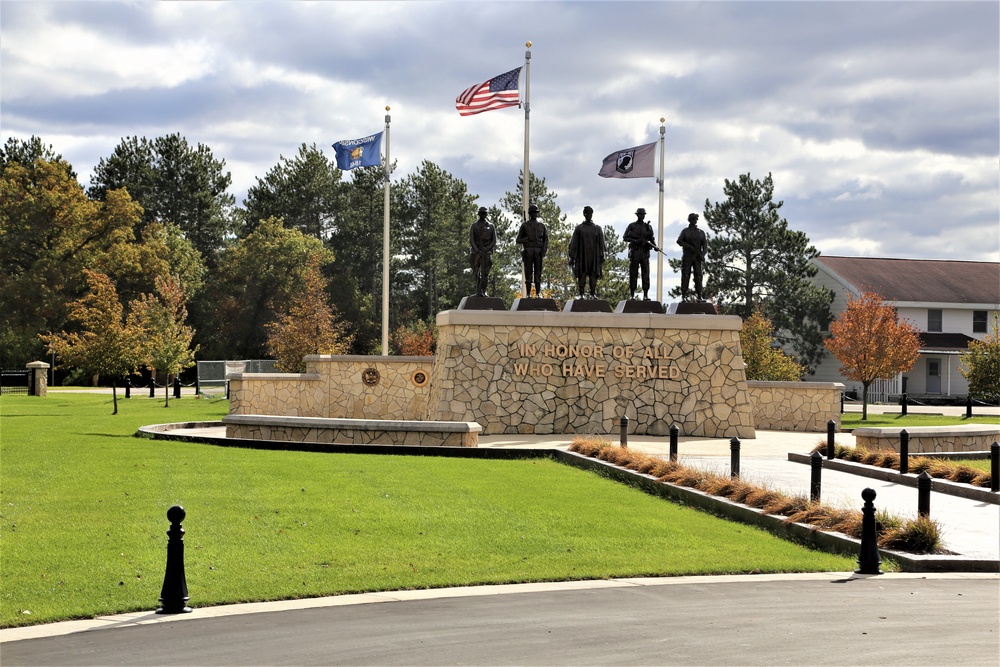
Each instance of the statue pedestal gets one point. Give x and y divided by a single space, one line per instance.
587 306
530 303
692 308
481 303
637 306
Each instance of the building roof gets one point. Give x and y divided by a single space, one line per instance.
919 280
941 342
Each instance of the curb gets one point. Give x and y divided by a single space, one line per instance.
889 475
778 525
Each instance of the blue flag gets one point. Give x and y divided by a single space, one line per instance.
363 152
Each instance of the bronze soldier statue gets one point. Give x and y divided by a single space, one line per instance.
640 238
586 252
695 244
482 241
534 241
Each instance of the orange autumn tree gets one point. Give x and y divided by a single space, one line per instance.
308 326
872 343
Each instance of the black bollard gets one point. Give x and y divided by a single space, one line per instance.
197 387
904 452
128 387
841 402
227 390
624 434
734 457
995 466
816 481
868 559
177 386
174 594
152 386
674 432
831 428
968 407
903 405
924 483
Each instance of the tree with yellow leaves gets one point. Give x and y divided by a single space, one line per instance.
763 361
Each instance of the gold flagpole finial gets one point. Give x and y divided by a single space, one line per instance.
528 44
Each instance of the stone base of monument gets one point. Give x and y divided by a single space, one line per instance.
692 308
530 303
587 306
481 303
637 306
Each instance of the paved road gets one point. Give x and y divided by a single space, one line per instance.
814 619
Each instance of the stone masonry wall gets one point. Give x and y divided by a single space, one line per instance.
353 387
795 406
544 373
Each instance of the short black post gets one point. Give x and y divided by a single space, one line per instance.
995 466
152 385
197 387
174 594
177 386
624 434
903 405
841 402
924 494
868 559
815 483
831 428
674 433
128 387
968 407
904 452
734 457
227 390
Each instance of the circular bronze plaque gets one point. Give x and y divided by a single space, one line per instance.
370 377
419 378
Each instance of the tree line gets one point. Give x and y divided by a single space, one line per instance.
307 235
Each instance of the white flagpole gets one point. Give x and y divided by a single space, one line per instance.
527 114
659 255
385 244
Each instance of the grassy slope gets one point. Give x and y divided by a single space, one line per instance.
852 420
83 504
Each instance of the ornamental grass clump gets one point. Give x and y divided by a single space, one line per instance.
919 535
937 468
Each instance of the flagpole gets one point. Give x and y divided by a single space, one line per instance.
385 244
659 255
527 114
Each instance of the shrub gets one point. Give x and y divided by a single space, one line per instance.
919 536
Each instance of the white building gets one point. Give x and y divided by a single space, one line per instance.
951 302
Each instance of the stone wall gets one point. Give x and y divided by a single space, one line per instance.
353 387
795 406
958 438
545 372
352 431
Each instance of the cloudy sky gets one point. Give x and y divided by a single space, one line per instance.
879 121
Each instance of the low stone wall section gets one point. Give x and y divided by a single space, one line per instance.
958 438
353 431
805 407
338 386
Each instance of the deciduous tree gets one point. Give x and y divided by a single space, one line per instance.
755 262
309 325
166 338
980 365
872 343
105 342
763 360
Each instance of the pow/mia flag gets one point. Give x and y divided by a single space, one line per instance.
630 163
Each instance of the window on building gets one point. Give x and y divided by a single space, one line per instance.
979 321
934 320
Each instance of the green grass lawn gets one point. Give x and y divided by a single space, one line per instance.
852 420
83 518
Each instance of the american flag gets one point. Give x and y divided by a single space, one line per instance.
496 93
